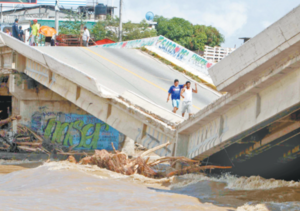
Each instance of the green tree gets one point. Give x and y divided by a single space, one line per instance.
175 28
214 37
99 31
107 28
193 37
73 24
133 31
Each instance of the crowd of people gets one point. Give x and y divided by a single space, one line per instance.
35 36
185 91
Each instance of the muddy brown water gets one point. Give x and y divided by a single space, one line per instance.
66 186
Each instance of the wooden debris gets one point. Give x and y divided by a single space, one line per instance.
38 144
23 139
154 149
192 169
34 134
31 149
119 162
9 119
71 159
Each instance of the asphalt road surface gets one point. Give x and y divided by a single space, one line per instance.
128 69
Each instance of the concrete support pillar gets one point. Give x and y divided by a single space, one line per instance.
20 62
182 144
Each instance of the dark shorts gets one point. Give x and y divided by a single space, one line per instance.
85 43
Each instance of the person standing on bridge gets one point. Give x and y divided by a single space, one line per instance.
15 30
86 37
35 27
174 92
187 95
22 35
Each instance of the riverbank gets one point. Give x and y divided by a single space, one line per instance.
9 166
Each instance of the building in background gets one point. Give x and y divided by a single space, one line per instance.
97 12
47 13
216 54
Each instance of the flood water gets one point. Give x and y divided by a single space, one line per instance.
67 186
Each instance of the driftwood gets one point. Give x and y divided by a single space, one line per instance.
38 144
173 160
154 149
23 139
119 162
9 119
192 169
39 138
31 149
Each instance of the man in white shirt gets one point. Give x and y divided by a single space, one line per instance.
86 37
186 94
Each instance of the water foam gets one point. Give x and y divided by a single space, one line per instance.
256 183
17 162
236 183
88 169
287 206
147 180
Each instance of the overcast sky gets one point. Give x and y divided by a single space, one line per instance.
233 18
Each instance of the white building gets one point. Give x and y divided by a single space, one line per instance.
216 54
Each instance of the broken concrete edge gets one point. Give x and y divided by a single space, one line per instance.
46 61
256 52
228 100
153 114
187 73
148 118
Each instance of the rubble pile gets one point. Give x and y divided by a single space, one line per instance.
26 140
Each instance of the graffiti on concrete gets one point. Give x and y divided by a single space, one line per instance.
133 43
199 61
84 131
167 46
172 48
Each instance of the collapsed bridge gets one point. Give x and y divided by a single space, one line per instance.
122 91
93 96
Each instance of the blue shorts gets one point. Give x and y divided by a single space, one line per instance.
175 103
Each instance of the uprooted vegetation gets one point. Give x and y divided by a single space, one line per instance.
120 163
28 141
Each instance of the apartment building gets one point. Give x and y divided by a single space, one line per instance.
216 54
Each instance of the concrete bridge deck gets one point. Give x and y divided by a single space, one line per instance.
125 88
121 70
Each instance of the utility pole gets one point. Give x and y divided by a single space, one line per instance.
1 13
56 16
120 26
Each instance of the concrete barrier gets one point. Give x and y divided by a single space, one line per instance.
171 51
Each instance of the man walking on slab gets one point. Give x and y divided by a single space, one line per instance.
186 94
174 92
